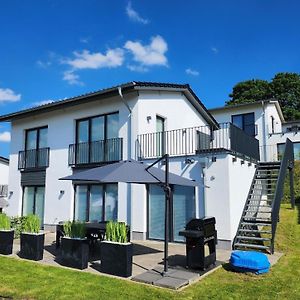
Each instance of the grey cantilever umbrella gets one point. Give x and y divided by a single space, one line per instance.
132 171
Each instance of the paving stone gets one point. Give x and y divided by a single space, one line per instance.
190 276
171 283
148 277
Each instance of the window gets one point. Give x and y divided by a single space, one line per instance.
160 138
272 124
36 138
95 203
280 150
245 122
36 143
33 201
94 138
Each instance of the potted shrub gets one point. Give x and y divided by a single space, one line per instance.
32 239
6 235
74 246
116 251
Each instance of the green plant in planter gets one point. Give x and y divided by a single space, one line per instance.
75 229
116 232
4 222
17 223
32 224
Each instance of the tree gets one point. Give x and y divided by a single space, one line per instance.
285 87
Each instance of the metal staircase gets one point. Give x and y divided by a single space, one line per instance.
257 227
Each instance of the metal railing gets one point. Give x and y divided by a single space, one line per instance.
3 190
34 159
109 150
200 139
287 162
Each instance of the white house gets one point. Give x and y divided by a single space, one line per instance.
4 169
265 121
140 120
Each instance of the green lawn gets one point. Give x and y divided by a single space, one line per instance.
26 280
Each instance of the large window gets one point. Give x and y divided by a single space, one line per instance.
94 138
280 150
95 203
33 201
245 122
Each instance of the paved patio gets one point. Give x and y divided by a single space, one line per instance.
147 256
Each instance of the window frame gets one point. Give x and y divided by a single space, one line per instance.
89 119
88 196
243 122
37 129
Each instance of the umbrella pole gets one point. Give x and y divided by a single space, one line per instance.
167 209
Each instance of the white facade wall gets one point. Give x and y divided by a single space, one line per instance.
227 185
4 169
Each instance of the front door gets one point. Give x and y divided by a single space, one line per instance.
33 201
182 210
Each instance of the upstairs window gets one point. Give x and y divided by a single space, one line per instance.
36 138
246 122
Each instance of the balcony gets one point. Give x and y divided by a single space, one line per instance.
34 159
93 153
197 140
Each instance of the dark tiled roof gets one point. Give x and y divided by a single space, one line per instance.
112 91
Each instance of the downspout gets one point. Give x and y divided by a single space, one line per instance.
264 132
129 143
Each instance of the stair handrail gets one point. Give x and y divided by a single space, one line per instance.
287 162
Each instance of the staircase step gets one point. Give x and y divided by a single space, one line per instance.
251 246
265 206
242 237
254 231
259 220
245 223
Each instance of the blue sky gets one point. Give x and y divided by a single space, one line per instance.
56 49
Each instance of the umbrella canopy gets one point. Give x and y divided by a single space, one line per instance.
130 171
3 202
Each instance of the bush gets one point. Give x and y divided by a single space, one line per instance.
17 223
116 232
4 222
32 224
75 229
286 196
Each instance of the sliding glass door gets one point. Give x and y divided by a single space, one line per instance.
34 201
95 203
182 210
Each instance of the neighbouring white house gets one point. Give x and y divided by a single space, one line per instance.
136 120
4 169
263 120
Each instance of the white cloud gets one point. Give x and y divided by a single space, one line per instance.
214 50
190 71
43 102
84 40
72 78
134 15
8 95
137 68
5 137
44 64
149 55
86 60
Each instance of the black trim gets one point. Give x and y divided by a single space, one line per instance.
243 122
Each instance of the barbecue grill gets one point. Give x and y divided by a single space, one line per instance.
201 239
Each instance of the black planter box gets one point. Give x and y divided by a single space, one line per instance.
116 258
75 253
6 241
32 246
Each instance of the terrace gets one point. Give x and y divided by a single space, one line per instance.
197 140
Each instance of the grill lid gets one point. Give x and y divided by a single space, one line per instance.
200 224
